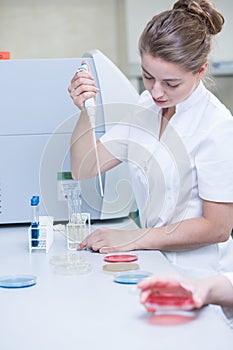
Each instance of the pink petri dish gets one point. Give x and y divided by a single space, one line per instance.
116 258
169 301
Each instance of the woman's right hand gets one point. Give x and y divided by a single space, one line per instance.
82 87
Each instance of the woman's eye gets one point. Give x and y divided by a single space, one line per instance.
172 86
148 77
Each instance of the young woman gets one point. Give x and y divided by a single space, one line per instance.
177 144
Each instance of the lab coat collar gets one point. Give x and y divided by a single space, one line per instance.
192 99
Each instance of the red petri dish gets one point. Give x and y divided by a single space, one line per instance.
116 258
169 302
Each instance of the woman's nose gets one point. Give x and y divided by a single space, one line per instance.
157 90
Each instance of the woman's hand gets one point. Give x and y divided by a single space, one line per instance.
107 240
190 292
82 87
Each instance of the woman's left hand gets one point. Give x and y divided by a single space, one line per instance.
107 240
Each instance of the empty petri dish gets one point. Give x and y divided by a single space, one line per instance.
66 259
70 264
131 277
17 281
114 258
73 269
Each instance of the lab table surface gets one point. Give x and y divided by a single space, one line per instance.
90 311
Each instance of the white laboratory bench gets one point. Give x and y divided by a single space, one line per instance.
90 311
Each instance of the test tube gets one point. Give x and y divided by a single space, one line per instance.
35 220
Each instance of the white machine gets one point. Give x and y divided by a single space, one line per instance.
36 123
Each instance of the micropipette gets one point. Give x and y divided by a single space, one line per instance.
91 109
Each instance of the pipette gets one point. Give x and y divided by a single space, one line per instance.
91 110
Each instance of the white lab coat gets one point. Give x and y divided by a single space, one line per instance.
193 160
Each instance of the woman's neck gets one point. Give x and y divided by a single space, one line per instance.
168 113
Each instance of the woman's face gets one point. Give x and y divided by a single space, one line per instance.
167 83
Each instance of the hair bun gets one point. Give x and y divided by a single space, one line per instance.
205 11
182 4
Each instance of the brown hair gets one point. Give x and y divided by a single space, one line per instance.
182 35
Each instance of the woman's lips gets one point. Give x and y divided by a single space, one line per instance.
160 101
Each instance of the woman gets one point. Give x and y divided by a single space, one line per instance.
177 146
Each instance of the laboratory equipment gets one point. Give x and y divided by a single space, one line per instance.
70 264
40 232
131 277
17 281
72 193
5 55
77 230
35 221
43 238
120 258
91 112
78 226
169 301
36 131
118 267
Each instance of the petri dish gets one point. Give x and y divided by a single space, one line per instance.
73 269
169 301
117 267
17 281
114 258
70 264
131 277
66 259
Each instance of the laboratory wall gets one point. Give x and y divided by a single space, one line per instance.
138 14
62 28
68 28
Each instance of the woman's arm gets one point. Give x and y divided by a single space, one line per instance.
83 153
213 227
82 149
215 290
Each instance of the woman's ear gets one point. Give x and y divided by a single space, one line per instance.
203 69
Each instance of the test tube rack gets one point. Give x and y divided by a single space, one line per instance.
41 237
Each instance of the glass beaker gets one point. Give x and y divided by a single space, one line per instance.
76 231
